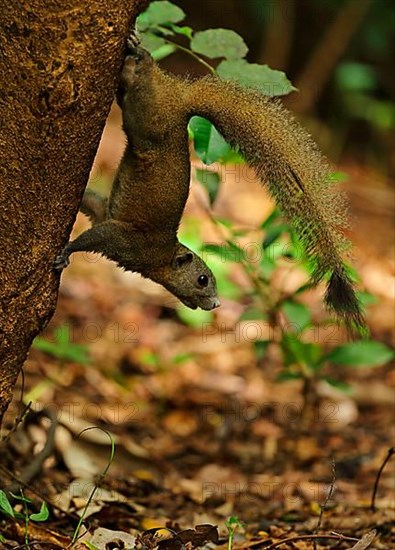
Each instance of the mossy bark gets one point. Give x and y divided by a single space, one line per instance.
59 65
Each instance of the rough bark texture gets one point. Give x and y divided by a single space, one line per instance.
59 63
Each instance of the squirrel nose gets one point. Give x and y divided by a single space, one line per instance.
216 303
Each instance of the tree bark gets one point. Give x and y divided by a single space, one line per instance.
59 64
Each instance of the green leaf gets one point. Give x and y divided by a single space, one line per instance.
151 42
297 314
181 358
184 31
21 497
352 77
367 299
273 233
210 181
226 287
361 354
260 77
267 265
252 314
5 504
163 51
159 13
149 358
261 347
215 43
338 384
271 219
209 145
195 318
297 352
63 348
286 376
42 515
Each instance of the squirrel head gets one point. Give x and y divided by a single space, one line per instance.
189 279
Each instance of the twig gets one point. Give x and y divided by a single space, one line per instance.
99 480
18 420
327 499
191 53
391 451
365 541
34 467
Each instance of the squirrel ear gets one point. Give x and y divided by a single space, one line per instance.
181 259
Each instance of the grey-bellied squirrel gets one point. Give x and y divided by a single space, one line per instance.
137 226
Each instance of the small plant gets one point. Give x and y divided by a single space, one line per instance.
232 524
7 509
160 30
99 480
63 348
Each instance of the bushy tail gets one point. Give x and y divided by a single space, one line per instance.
297 176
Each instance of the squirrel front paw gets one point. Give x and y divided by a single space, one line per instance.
134 49
61 262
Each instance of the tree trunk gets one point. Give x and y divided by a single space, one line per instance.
59 63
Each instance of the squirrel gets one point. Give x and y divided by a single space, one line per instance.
137 226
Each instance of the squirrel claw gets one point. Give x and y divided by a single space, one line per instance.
133 41
61 262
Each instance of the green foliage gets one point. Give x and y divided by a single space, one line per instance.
251 75
157 14
159 30
99 480
232 524
210 181
63 348
356 77
5 505
158 27
306 360
297 313
7 509
358 84
215 43
361 354
265 300
209 145
42 515
194 318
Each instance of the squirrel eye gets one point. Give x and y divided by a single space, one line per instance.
203 280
